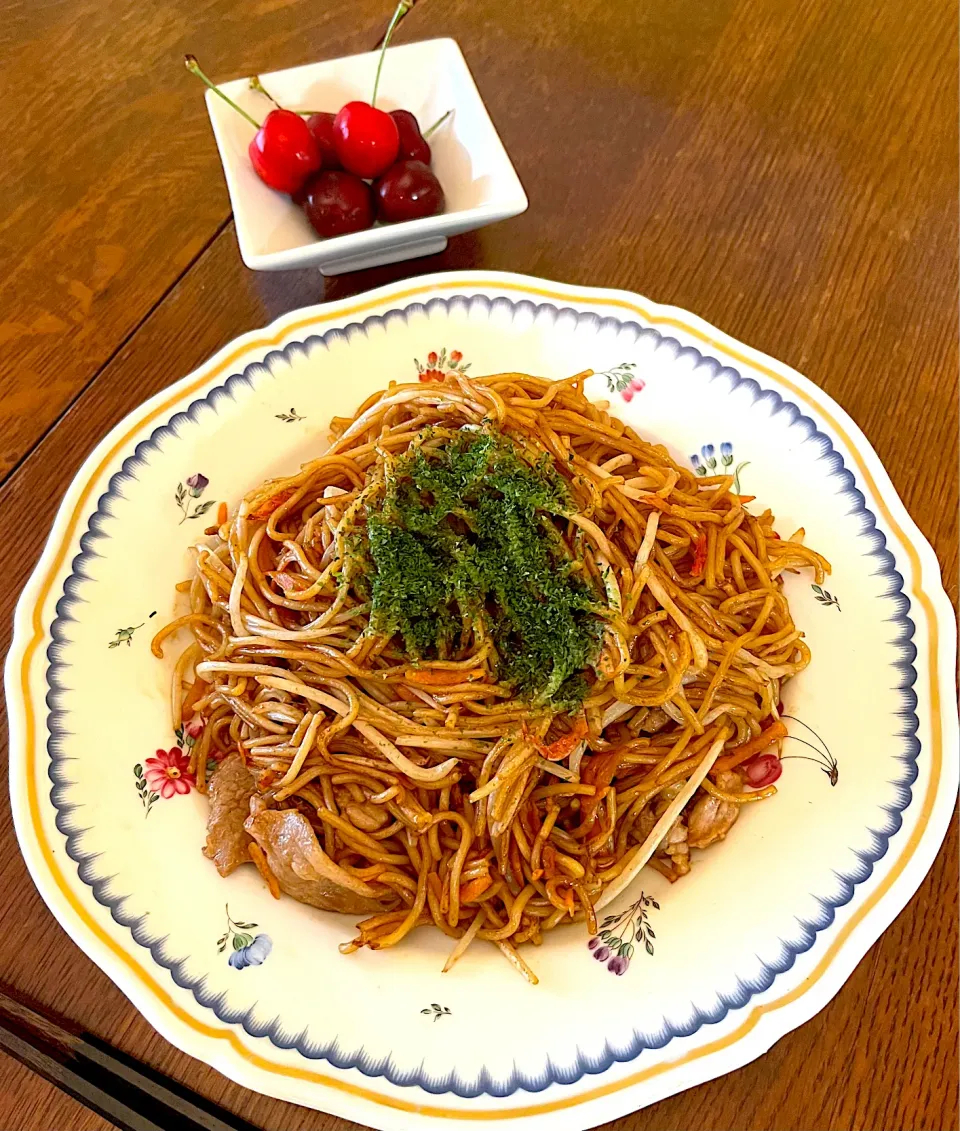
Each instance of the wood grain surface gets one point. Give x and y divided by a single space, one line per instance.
787 171
27 1100
111 183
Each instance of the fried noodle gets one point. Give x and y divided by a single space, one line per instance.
429 781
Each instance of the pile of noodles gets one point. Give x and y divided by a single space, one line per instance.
468 809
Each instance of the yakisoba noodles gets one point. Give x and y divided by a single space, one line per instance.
482 661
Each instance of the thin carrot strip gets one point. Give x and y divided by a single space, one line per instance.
557 750
441 678
257 856
473 888
198 689
752 746
267 507
699 556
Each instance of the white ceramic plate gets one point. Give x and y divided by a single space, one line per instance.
752 943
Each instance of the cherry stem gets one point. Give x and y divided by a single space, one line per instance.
436 125
257 85
194 68
402 8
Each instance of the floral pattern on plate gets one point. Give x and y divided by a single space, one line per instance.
247 949
195 485
623 380
821 752
440 365
168 772
614 943
437 1011
825 597
705 462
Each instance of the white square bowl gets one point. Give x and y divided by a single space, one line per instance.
478 180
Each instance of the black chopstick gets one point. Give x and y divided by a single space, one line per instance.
129 1094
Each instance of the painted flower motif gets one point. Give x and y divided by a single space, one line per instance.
245 950
169 772
437 1011
824 596
192 488
441 365
622 379
707 465
254 953
613 944
824 759
125 635
197 484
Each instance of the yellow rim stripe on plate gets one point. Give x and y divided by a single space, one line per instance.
754 1016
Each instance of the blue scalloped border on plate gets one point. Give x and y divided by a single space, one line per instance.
484 1084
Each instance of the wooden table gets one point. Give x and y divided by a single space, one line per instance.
786 170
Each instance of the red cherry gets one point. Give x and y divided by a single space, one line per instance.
283 151
337 203
408 190
321 126
366 139
762 769
413 147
